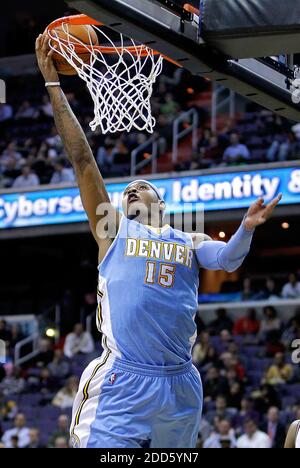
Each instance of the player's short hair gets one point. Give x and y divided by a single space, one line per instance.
147 183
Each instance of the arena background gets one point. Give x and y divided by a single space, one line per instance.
48 257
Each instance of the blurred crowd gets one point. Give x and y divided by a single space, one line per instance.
253 137
284 286
31 151
36 398
251 384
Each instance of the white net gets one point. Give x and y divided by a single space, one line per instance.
120 78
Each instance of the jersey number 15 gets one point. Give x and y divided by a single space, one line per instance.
165 275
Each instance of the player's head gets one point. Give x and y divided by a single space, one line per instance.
143 202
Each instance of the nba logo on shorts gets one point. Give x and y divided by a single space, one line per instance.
112 378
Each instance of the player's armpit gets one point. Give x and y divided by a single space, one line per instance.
198 238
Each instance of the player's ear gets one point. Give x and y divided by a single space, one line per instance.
162 205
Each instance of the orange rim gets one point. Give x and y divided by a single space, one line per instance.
141 50
191 9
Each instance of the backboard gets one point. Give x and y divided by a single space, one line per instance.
172 30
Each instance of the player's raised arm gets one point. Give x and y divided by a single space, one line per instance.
90 182
216 255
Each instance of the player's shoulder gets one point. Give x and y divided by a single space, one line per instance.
292 435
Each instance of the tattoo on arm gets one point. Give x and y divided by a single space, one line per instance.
72 135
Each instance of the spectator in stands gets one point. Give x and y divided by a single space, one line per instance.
210 359
292 332
16 334
247 291
201 348
60 367
62 174
63 429
61 442
65 397
27 178
34 439
214 384
221 412
8 409
274 428
236 152
169 107
19 430
105 156
231 362
270 291
45 355
205 137
210 155
5 333
46 107
253 437
54 140
223 438
279 372
273 343
26 111
284 149
291 290
226 338
270 323
235 395
246 412
222 322
13 382
265 397
247 325
78 342
44 383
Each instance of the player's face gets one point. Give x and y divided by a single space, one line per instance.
139 200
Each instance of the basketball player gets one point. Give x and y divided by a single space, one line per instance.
143 391
293 436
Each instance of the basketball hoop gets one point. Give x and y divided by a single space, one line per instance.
119 74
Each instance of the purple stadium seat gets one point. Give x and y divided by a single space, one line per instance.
288 401
255 377
29 399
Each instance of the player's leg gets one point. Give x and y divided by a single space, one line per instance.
86 400
112 409
178 424
125 410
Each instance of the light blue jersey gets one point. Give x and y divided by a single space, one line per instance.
148 289
143 391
